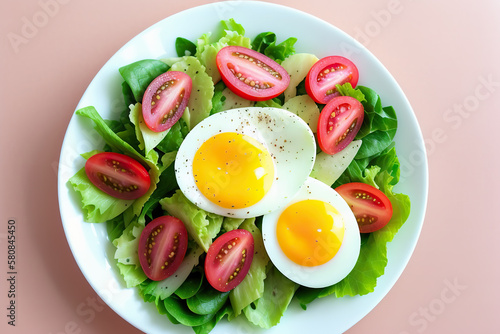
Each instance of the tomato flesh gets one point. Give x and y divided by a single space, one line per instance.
250 74
371 207
118 175
228 259
165 100
339 122
328 72
162 247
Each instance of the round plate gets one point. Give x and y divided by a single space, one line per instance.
88 242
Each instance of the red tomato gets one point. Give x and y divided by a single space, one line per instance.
339 122
250 74
372 209
165 99
162 247
118 175
328 72
228 259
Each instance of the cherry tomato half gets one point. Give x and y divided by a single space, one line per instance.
162 247
328 72
165 99
372 209
250 74
339 122
118 175
228 259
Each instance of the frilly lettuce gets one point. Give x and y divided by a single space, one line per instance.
127 256
132 275
266 43
97 206
267 311
230 223
202 226
252 287
127 245
232 25
200 101
206 51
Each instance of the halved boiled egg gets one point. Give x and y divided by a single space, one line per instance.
245 162
314 240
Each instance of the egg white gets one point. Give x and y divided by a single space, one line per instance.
286 136
330 272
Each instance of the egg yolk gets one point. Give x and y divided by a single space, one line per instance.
310 232
233 170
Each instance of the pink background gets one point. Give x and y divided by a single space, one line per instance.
441 53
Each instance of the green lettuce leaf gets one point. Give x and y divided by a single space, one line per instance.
128 98
139 75
209 325
218 98
274 103
230 223
115 227
132 275
207 300
127 257
192 284
280 52
202 226
207 51
127 135
233 100
97 206
121 146
200 101
265 43
252 286
379 126
347 90
127 245
263 40
232 25
184 47
388 161
178 309
267 311
124 120
166 184
174 137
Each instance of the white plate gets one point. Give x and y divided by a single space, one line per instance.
88 242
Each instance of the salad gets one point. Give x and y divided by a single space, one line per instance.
184 291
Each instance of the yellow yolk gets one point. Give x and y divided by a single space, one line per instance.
310 232
233 170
